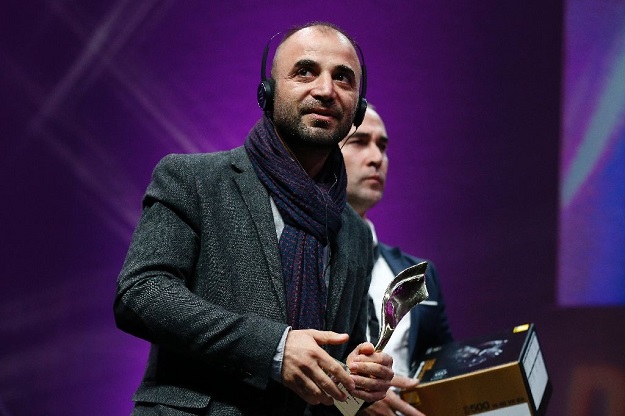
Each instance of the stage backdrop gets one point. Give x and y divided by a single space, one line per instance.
592 192
95 93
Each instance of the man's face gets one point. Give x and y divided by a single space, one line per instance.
317 75
366 163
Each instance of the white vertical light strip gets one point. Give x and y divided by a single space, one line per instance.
607 118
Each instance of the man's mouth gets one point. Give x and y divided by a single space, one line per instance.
376 178
326 113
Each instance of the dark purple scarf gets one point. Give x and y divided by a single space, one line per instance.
311 210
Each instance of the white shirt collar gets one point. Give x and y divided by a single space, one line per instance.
373 234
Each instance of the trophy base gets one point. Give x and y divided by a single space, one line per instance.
352 404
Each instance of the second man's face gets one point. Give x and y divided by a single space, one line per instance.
317 75
366 163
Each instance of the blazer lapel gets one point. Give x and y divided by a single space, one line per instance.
257 203
392 255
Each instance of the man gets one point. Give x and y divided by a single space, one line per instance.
245 271
426 326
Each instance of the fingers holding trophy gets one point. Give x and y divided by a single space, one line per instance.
404 292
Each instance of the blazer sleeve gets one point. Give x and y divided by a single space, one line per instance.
156 299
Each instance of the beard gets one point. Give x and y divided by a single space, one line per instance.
290 125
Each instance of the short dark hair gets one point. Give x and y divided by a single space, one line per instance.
324 27
327 25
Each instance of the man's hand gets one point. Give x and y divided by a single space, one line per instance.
310 371
392 403
371 371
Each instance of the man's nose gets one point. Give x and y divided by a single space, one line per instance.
324 87
375 154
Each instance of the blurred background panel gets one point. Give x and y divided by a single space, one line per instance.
592 191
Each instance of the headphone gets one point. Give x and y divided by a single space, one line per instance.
267 86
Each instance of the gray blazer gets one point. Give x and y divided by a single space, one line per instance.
202 282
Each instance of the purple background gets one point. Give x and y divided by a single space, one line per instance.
94 93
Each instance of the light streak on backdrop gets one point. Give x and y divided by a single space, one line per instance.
592 183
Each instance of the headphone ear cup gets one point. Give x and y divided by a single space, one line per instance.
359 115
264 94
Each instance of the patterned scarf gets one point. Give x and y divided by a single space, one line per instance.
311 210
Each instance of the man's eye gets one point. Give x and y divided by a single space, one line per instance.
303 72
343 78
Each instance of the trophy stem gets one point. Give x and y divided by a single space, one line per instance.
385 336
405 291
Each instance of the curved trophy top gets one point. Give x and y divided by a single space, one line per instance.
405 291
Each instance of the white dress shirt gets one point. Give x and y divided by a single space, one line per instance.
397 346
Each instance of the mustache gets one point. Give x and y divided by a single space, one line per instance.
319 107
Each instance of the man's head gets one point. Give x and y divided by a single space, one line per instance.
366 163
317 78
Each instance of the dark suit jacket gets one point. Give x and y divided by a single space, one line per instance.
428 320
202 282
